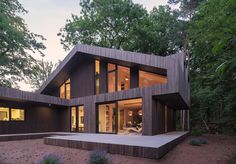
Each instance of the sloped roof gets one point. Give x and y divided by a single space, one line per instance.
101 52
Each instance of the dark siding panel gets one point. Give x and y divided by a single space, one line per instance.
82 78
134 77
103 77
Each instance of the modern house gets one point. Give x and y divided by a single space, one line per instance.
102 90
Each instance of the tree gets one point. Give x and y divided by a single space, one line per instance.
16 42
162 33
105 23
39 73
213 64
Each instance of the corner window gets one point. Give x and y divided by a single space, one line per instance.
4 114
17 115
65 90
147 79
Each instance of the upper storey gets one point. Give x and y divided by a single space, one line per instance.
89 70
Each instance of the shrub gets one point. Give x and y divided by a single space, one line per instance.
98 157
195 142
50 159
203 140
178 127
196 132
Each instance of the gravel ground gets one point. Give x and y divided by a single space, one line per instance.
219 150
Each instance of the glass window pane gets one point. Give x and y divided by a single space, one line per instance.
67 90
4 114
149 79
73 119
62 91
81 118
111 67
123 78
107 114
112 81
97 85
17 115
97 67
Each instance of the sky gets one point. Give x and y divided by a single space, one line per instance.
46 17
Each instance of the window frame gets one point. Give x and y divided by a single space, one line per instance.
10 114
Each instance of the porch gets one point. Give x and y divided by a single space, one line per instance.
153 147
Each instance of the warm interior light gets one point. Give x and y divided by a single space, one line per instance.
130 113
140 112
126 79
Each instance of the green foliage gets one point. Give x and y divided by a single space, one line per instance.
39 73
15 44
98 157
196 132
124 25
213 37
194 142
50 159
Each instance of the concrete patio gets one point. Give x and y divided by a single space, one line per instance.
153 147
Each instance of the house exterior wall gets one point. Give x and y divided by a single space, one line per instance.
38 118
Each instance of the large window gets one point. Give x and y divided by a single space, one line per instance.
97 76
4 114
118 77
12 114
65 90
17 115
149 79
77 119
107 118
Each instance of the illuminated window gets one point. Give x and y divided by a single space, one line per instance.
118 77
149 79
65 90
97 76
4 114
81 118
73 119
17 115
123 82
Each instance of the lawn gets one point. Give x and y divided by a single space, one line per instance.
220 149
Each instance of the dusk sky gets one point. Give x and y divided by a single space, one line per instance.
46 17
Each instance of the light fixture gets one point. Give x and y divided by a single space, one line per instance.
126 79
130 113
140 112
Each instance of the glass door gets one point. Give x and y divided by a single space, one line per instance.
107 118
77 119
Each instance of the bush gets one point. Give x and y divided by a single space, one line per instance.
196 132
50 159
98 157
203 140
178 127
195 142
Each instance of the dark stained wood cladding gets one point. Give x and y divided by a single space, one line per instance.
171 119
134 77
82 78
18 95
38 118
103 76
177 82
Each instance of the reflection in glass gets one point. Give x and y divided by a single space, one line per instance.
107 114
112 81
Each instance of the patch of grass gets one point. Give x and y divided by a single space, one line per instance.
203 140
98 157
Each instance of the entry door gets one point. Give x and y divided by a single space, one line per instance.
77 119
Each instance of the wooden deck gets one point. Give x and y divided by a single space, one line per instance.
153 147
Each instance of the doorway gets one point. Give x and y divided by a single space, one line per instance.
77 119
